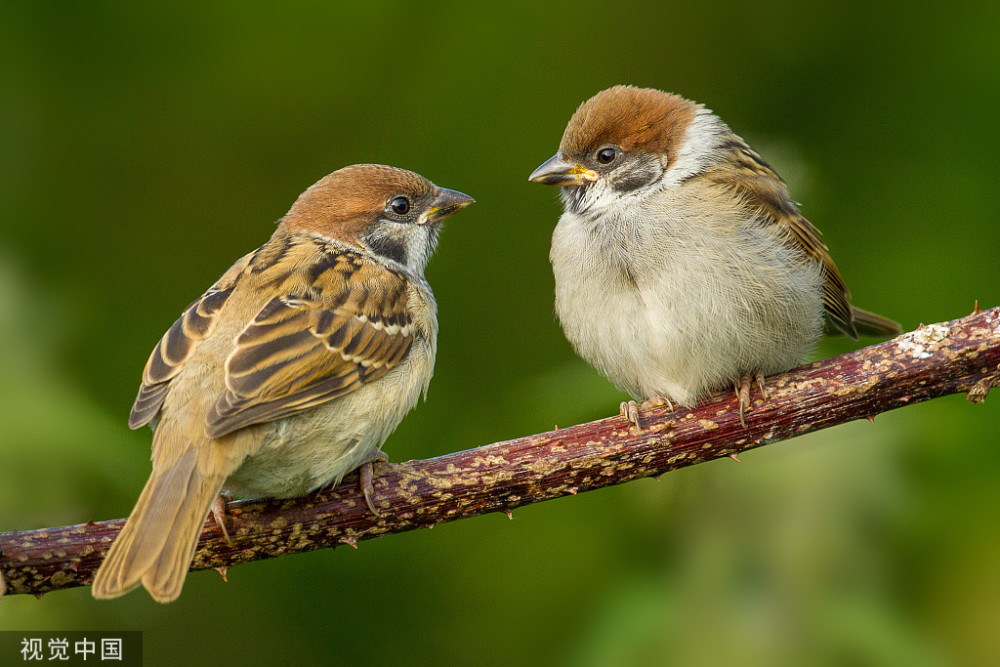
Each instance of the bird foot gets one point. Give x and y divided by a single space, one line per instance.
656 401
743 393
630 409
365 474
219 515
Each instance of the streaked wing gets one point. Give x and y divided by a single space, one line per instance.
193 326
762 188
347 325
836 297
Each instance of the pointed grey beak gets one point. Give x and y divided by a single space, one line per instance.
446 203
560 171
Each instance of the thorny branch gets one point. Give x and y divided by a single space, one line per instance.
935 360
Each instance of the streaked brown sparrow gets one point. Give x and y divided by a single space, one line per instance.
291 370
681 262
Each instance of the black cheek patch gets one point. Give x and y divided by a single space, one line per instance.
388 247
637 178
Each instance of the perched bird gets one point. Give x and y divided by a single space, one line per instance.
681 262
291 370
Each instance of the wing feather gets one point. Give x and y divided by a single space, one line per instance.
762 189
348 327
194 325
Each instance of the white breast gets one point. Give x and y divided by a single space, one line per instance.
665 301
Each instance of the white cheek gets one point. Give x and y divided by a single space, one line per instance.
593 201
698 149
422 242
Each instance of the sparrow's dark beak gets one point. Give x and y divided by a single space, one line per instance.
559 171
446 203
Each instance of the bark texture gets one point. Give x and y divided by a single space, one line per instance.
935 360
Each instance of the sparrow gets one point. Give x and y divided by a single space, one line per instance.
291 370
681 262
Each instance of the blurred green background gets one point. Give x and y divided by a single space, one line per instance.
144 149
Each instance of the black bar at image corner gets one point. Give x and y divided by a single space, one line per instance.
77 647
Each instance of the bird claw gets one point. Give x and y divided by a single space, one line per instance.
365 474
743 394
759 377
219 515
742 387
630 411
656 401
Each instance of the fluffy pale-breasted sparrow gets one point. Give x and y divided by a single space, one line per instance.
681 262
291 370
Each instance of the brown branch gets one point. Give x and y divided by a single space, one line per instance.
935 360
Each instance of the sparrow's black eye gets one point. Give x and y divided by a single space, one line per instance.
606 155
400 205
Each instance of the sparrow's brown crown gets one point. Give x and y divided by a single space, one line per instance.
634 119
343 204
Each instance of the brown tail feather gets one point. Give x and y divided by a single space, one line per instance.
870 324
157 544
165 578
